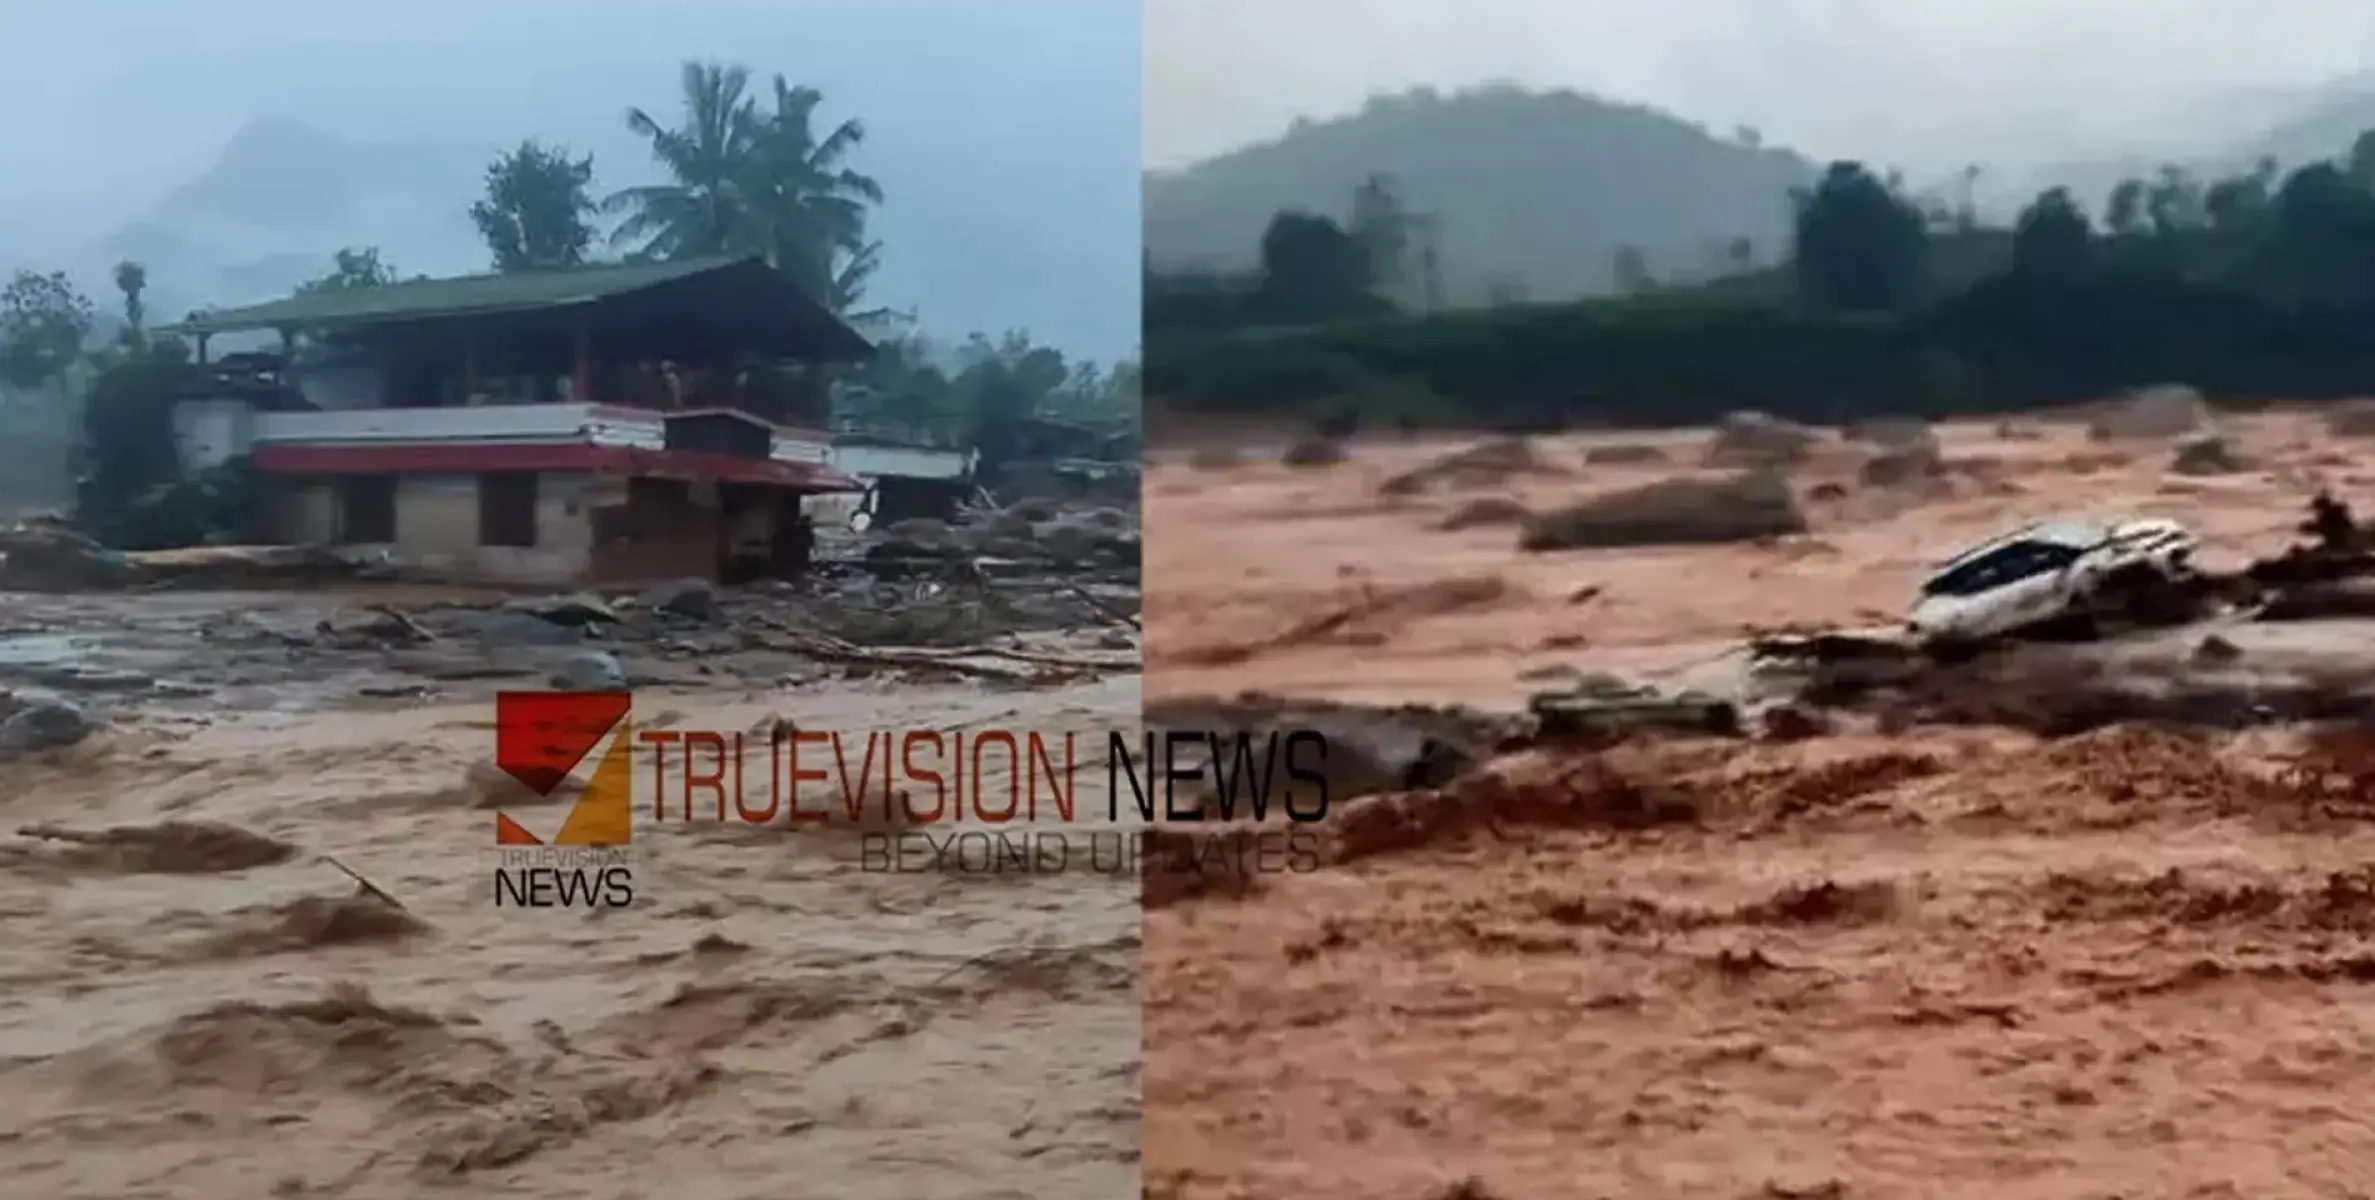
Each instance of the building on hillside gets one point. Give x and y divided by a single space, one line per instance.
604 424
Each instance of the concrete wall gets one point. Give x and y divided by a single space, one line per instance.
915 462
651 530
437 528
495 423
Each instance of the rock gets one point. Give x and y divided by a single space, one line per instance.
1491 463
49 557
1902 463
1793 723
1893 432
35 724
1482 511
696 598
1755 439
1314 452
2206 454
518 627
2166 411
1686 511
2215 650
2351 418
591 671
1624 454
579 610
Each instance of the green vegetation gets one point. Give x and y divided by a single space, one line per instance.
742 174
2258 285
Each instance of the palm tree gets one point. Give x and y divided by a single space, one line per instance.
805 203
747 179
708 157
132 280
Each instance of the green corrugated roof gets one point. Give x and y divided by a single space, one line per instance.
428 299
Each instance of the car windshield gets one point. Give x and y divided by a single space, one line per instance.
1999 567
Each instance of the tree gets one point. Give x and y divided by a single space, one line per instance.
131 279
2322 240
2173 202
1003 384
537 209
2052 237
44 323
706 156
2123 212
1383 228
2360 163
351 268
128 430
1312 270
749 179
808 207
1860 243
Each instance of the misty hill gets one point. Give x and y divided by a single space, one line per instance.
283 195
1540 190
280 199
2224 134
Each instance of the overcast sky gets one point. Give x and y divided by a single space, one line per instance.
1005 131
1925 84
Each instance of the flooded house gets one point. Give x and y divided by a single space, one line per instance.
605 424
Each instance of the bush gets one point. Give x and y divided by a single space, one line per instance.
210 506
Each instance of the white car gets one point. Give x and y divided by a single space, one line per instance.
2067 572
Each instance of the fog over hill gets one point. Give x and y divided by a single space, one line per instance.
1542 192
1539 189
232 147
2033 91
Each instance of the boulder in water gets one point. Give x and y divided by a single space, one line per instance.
591 671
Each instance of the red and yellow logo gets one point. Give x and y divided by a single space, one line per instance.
542 737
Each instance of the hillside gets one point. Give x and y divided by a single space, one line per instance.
1542 190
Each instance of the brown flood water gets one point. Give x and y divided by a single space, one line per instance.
1949 963
201 1008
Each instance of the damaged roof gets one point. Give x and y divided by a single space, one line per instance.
743 280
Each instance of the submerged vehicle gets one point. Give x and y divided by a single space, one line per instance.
2057 576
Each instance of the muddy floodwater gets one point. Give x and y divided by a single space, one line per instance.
197 999
1940 961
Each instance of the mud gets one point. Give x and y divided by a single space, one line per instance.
2102 932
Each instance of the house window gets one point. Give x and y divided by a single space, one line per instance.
507 509
367 509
